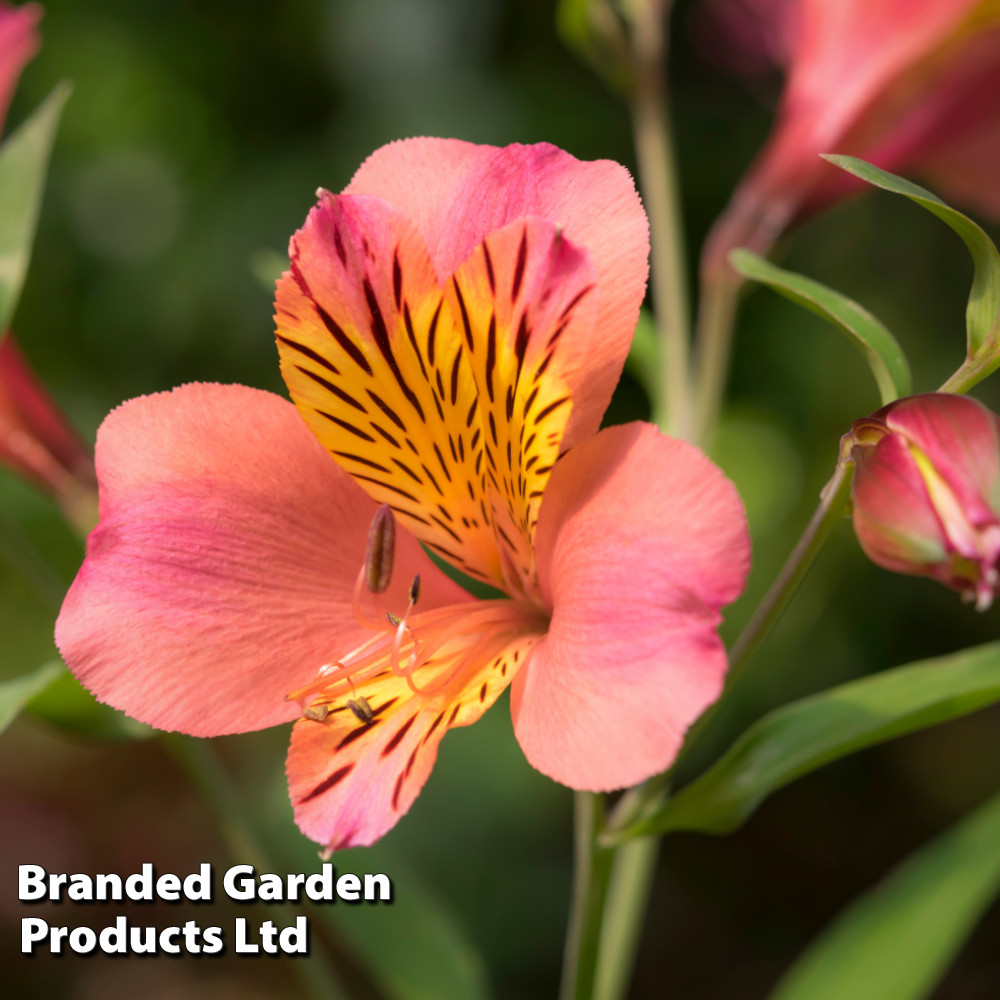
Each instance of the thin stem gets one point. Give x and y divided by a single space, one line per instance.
216 790
832 507
972 372
628 895
658 182
591 870
716 321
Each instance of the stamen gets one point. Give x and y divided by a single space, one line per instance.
361 709
415 590
381 550
445 643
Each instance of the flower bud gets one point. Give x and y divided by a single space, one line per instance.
926 491
37 442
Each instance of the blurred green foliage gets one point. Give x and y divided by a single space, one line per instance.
197 132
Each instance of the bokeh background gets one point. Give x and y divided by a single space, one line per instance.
190 149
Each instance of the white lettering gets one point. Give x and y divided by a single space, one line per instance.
33 930
349 887
30 883
198 886
140 885
243 946
242 891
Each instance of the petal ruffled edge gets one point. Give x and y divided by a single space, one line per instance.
458 193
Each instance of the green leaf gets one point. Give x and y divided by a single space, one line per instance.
983 312
880 349
895 942
413 949
804 736
68 706
16 693
23 160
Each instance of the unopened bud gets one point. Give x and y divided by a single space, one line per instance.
926 491
37 441
381 550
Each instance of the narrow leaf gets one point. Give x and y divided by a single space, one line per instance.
16 693
896 942
804 736
983 311
878 346
23 161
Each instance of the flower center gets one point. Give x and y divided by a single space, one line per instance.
435 652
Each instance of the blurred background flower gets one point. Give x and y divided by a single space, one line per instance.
908 85
213 126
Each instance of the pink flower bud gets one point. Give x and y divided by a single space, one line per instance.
927 491
36 440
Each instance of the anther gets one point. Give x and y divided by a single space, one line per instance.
361 709
317 713
415 590
381 550
393 620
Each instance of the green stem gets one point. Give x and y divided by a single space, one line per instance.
591 871
658 182
716 321
833 505
628 896
972 372
205 772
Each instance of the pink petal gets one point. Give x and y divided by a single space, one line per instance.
641 540
952 136
961 437
220 576
458 193
893 515
19 41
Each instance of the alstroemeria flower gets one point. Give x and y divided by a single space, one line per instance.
451 330
909 85
926 491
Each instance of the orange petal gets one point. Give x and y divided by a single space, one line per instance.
374 362
351 781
